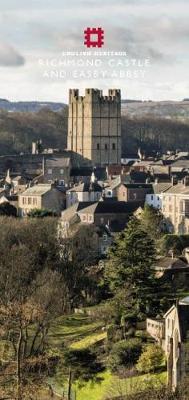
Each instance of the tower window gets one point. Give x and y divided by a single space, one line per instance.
113 146
98 146
106 147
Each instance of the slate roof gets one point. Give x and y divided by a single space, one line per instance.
87 187
71 211
57 162
168 263
182 163
180 188
161 187
111 207
37 190
138 185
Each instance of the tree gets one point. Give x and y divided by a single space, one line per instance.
78 256
151 358
152 221
124 354
130 262
31 296
8 209
82 365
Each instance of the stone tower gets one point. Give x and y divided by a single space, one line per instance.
94 125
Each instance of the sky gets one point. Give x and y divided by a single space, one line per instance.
35 32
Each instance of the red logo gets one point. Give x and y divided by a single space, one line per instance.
94 37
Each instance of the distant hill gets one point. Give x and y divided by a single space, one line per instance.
29 106
177 110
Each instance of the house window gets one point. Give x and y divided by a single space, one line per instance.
49 171
84 218
90 218
113 146
152 197
98 146
29 200
61 171
104 237
34 201
106 147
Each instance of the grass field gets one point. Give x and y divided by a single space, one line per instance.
79 332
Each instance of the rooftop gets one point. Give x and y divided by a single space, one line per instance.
37 190
87 187
180 188
111 207
57 162
161 187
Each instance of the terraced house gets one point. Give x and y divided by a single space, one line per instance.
175 207
39 197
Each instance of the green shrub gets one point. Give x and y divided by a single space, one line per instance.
124 353
151 358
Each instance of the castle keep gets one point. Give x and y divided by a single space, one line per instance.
94 125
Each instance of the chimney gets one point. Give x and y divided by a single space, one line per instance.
186 181
174 180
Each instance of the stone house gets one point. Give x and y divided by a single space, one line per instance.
175 207
86 191
154 198
38 197
70 223
172 333
115 214
133 191
57 168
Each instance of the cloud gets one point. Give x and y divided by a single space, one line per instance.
9 57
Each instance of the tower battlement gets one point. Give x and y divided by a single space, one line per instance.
94 125
95 95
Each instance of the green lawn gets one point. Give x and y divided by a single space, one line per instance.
72 329
112 386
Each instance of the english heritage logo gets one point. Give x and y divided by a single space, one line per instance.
94 37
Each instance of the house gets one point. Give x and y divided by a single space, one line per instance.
115 214
39 197
86 191
57 168
172 333
154 199
70 223
176 270
175 207
111 186
133 191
